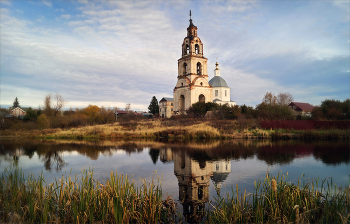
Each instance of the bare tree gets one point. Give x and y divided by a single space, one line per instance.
127 107
59 104
47 105
269 98
284 99
53 105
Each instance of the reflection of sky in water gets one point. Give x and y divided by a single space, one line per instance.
138 164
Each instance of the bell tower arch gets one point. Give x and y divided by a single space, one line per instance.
192 78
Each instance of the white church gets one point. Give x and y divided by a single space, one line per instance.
192 81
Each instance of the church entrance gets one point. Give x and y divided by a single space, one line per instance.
182 104
201 98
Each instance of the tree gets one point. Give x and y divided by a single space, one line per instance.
284 99
153 106
43 122
31 115
269 98
15 103
127 107
52 108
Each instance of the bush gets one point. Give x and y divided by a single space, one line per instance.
43 122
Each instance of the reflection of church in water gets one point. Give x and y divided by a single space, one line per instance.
194 180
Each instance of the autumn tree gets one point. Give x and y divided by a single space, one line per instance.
153 106
15 103
43 122
269 99
284 99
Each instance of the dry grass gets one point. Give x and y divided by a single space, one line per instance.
187 128
68 200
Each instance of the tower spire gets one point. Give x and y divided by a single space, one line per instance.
191 24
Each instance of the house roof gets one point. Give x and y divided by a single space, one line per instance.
303 106
21 108
166 99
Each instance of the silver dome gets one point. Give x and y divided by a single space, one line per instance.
217 81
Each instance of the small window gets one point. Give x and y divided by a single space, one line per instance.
217 166
165 110
225 92
172 104
216 92
171 109
182 84
201 84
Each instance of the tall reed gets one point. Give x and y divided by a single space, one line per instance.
277 201
85 200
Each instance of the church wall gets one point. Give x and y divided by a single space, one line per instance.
221 93
207 92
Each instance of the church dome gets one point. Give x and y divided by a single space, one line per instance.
217 81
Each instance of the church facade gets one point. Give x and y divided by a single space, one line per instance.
192 79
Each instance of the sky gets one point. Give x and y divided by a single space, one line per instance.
111 53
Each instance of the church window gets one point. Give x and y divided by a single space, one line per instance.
182 84
225 92
199 68
226 166
197 48
187 49
171 109
201 84
217 166
165 110
216 92
185 69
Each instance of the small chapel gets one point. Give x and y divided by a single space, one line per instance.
192 79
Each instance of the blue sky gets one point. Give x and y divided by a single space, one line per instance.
110 53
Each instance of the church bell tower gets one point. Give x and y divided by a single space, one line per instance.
192 80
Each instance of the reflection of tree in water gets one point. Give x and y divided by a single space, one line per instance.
53 159
332 153
154 153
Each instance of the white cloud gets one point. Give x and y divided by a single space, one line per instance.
66 16
6 2
47 3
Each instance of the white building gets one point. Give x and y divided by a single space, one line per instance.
221 91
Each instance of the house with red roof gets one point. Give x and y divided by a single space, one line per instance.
302 109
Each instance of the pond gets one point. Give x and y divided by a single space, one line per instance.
192 172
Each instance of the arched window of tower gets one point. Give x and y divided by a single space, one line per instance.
187 49
201 84
201 98
185 69
199 68
197 48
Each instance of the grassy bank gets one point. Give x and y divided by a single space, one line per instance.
85 200
277 201
117 200
181 128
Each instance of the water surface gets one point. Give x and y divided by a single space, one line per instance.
192 172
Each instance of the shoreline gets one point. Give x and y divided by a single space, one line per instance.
176 129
